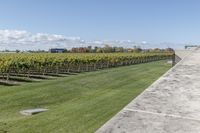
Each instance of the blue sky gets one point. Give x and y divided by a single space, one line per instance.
154 21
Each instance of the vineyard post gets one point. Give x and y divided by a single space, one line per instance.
173 59
8 75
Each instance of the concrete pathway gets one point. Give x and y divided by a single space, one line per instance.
170 105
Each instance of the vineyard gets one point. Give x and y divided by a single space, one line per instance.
27 64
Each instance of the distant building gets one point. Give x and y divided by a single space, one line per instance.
191 46
57 50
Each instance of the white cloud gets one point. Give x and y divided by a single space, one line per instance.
23 40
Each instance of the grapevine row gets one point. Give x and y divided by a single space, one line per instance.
26 63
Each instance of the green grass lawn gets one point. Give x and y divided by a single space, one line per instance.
78 103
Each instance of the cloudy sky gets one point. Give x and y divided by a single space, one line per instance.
23 40
43 24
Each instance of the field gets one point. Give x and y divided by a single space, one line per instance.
27 65
77 103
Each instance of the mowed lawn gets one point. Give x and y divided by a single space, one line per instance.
78 103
